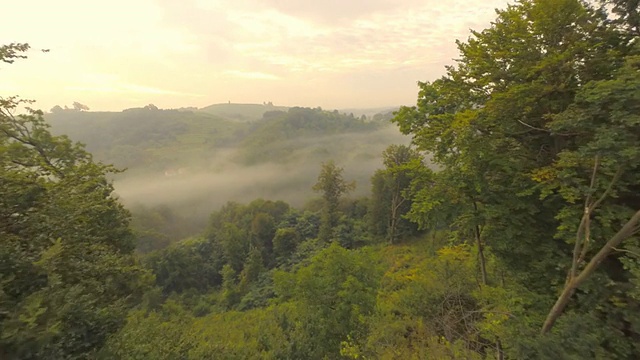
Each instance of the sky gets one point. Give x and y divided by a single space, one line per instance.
117 54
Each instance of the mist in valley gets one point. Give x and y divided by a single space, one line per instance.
182 165
198 189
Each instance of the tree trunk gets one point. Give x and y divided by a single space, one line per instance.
393 222
483 266
499 352
396 201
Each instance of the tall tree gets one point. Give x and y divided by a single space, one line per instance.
331 297
332 186
516 125
390 198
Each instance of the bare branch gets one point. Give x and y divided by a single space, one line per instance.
627 251
624 233
585 224
545 130
615 178
533 127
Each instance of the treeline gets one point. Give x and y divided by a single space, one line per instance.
151 139
523 244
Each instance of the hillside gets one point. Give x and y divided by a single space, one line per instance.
312 133
241 112
146 139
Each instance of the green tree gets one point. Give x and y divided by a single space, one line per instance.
193 264
285 242
516 127
263 230
390 193
330 298
332 186
235 244
162 334
230 291
67 271
253 267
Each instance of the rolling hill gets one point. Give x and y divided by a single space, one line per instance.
241 112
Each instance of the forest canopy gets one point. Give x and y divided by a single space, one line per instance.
508 228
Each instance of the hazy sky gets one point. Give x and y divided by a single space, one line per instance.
117 54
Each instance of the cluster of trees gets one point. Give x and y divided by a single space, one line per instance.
76 106
244 241
522 243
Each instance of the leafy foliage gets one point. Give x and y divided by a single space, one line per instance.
67 272
531 216
332 186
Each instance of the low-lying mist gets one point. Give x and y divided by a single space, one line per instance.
198 188
185 164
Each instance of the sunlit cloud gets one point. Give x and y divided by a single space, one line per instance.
108 83
129 89
250 75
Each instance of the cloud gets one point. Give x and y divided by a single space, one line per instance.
168 52
333 11
250 75
375 34
106 83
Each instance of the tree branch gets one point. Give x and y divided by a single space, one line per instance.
625 232
627 251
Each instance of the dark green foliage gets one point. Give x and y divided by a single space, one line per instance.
239 228
253 267
330 298
190 264
285 242
531 128
259 293
230 294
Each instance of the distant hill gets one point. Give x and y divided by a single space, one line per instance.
281 135
146 138
241 112
369 112
195 161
